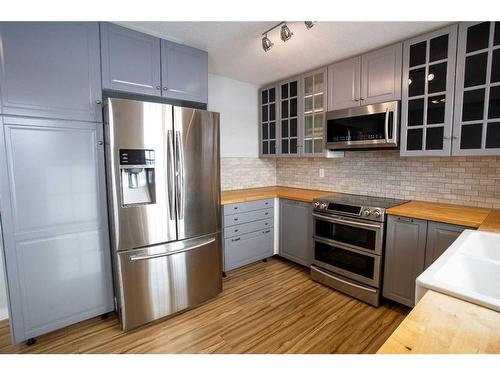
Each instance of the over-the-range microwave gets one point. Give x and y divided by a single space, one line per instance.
365 127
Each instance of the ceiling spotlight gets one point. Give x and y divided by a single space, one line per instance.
266 43
285 33
309 24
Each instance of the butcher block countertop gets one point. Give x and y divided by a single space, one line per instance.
474 217
440 324
246 195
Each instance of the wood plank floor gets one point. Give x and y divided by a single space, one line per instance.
268 307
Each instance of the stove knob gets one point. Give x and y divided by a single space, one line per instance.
367 212
316 204
323 206
377 213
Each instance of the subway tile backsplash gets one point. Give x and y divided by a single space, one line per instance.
471 180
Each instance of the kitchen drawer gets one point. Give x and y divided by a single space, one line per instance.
247 217
238 230
236 208
248 248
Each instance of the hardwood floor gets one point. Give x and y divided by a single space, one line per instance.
268 307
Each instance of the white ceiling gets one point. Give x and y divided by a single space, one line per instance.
234 48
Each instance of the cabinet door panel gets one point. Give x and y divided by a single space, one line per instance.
290 124
312 109
381 75
50 69
184 72
55 226
130 60
296 231
404 258
439 237
268 118
344 84
248 248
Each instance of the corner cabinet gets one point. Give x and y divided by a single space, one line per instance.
268 116
428 91
477 102
50 70
374 77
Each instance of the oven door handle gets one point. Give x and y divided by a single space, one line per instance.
344 281
348 222
342 245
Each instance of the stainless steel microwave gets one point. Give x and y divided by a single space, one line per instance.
365 127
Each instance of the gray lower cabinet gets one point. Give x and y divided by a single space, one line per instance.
50 70
439 237
54 222
248 233
184 72
404 258
296 231
411 246
130 60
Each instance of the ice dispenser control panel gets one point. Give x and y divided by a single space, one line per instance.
137 177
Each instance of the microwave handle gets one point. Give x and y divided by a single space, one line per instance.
386 125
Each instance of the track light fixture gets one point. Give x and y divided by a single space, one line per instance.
309 24
285 33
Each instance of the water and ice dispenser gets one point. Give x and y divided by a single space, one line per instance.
137 171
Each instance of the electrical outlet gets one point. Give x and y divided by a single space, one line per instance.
321 172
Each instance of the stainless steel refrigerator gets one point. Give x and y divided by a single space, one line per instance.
163 180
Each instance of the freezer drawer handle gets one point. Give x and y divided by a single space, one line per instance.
135 258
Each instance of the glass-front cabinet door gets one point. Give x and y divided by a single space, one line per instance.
313 107
477 102
289 117
427 97
268 119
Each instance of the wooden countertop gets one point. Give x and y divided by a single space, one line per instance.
481 218
442 212
246 195
441 324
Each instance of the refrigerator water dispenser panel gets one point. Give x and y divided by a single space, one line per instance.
137 177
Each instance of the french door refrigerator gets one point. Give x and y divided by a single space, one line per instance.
163 174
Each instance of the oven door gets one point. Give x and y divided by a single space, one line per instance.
355 234
351 263
370 126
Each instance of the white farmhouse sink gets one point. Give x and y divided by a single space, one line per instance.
469 269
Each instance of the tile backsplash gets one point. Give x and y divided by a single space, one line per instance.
242 173
471 180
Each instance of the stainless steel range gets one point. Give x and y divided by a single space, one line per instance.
349 239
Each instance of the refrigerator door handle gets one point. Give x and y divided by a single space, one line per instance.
180 175
170 174
135 258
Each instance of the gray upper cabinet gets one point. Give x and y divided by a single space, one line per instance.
477 100
404 258
184 72
428 91
344 84
130 60
51 70
381 75
268 118
296 231
439 237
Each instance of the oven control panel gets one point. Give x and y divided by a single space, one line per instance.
365 212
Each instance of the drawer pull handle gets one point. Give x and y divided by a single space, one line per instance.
267 203
235 208
267 213
235 219
266 231
406 219
236 239
236 230
266 223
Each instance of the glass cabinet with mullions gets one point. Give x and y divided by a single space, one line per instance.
313 100
477 102
428 90
268 119
289 117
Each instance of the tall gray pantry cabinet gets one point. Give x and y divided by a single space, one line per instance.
52 197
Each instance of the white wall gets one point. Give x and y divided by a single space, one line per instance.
4 314
237 103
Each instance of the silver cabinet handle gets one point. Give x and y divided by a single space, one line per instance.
170 175
158 87
165 88
134 258
98 102
406 219
356 99
236 239
386 125
455 137
100 143
362 98
266 231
